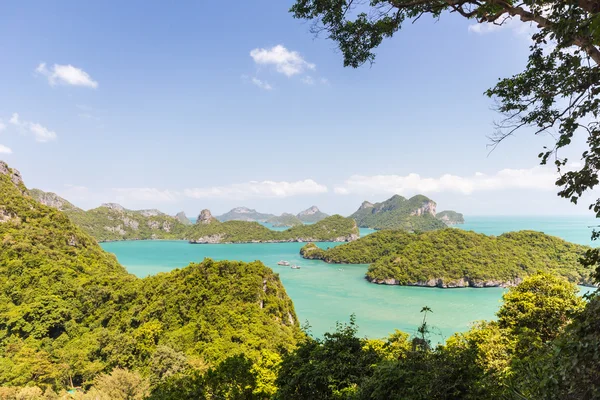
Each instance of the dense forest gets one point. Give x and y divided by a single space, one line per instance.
454 258
71 313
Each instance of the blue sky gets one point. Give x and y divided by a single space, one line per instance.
188 105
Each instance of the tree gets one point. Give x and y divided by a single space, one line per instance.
558 92
122 384
542 305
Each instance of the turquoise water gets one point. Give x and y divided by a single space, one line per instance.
576 229
324 293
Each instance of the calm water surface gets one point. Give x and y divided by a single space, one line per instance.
324 293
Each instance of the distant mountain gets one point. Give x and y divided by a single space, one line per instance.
285 219
311 215
397 212
181 217
112 221
51 200
244 214
450 217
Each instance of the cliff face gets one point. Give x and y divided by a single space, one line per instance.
181 217
51 200
414 214
205 217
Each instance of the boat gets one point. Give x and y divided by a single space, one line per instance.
286 263
295 267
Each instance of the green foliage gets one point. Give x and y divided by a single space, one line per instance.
458 257
106 224
328 368
334 228
69 311
398 213
121 384
542 305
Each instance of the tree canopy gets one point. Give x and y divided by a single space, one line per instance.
557 93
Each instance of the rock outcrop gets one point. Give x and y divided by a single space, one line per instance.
51 200
181 217
440 283
205 217
113 206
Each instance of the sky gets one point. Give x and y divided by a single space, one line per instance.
189 105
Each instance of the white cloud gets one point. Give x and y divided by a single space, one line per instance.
287 62
505 24
261 84
66 75
308 80
145 194
263 189
40 132
5 150
536 178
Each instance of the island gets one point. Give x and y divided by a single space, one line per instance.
208 230
450 217
453 257
416 214
285 219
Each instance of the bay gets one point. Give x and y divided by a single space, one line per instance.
326 293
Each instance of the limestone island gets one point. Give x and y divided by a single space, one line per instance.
210 230
451 258
417 214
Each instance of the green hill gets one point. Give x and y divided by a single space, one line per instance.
457 258
111 221
284 219
450 217
70 311
414 214
311 215
334 229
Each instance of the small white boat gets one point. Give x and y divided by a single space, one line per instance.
286 263
295 267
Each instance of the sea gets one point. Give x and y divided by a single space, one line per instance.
324 294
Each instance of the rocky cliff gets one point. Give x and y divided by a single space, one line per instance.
415 214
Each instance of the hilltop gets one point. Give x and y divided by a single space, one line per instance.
311 215
457 258
112 221
415 214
